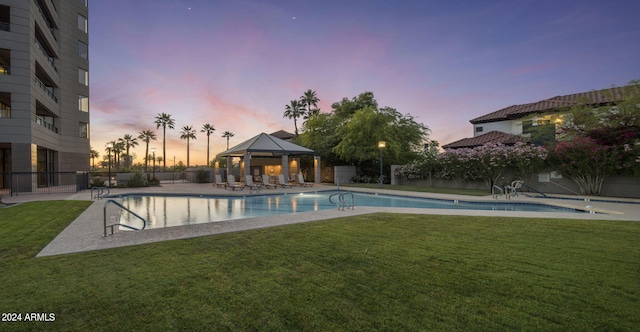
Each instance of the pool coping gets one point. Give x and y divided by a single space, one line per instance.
85 233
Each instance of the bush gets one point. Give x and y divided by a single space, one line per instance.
97 182
202 176
138 179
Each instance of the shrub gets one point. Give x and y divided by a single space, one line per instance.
97 182
202 176
137 179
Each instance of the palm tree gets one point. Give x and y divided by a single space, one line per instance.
188 133
164 120
146 136
294 110
118 148
227 135
309 99
129 142
207 128
93 154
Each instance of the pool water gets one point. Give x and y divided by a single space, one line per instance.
166 211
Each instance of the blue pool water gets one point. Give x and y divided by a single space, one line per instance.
167 211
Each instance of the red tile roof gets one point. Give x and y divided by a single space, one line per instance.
553 104
490 137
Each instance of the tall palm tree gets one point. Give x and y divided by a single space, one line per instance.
208 129
93 154
118 148
293 111
164 120
227 135
129 142
310 99
188 133
146 136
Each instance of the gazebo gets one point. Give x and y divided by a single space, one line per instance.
273 154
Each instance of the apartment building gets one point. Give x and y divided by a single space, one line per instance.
44 86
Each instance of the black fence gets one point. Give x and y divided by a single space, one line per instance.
30 183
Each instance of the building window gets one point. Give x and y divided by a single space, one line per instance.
83 50
479 129
83 103
83 24
5 110
84 130
5 18
5 105
83 77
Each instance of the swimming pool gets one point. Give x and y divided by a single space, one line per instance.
178 210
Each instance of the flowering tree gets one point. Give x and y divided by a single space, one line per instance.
586 162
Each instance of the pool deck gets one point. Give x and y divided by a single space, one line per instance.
86 232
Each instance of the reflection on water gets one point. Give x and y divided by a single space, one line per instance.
167 211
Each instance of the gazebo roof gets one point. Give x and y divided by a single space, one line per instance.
265 145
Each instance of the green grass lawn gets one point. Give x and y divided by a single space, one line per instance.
375 272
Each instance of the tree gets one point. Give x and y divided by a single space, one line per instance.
146 136
188 133
128 141
586 162
208 129
118 148
309 99
351 131
227 135
600 138
294 111
93 154
164 120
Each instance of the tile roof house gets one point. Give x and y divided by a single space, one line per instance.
532 121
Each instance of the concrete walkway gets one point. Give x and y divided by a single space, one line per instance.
86 232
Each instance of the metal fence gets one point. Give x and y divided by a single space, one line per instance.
30 183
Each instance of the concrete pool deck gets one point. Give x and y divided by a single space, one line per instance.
86 232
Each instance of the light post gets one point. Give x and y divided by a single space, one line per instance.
153 150
381 146
109 147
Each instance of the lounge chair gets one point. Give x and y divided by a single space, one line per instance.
218 182
248 183
231 183
302 183
512 189
283 182
266 183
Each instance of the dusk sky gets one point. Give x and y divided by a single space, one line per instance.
235 64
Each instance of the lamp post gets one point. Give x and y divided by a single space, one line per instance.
381 146
153 150
109 147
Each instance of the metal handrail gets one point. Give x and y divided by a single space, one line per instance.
144 222
100 191
341 204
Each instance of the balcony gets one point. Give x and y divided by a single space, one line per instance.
47 122
49 58
48 89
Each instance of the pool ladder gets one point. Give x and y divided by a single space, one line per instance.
117 223
99 192
342 203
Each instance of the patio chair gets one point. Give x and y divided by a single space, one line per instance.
248 183
301 182
218 181
231 183
266 183
283 182
511 190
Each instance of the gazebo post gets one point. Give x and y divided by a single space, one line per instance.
316 170
228 166
247 164
285 166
